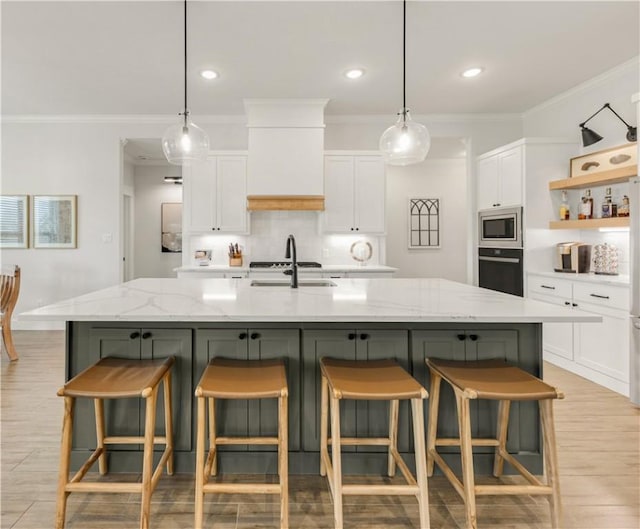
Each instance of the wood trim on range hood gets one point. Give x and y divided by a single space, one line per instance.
285 203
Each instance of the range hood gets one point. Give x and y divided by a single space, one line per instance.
286 154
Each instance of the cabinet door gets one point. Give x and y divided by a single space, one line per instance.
200 195
510 177
372 417
315 345
339 197
369 194
231 196
487 183
267 344
604 346
163 343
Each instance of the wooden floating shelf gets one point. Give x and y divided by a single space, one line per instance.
613 176
589 224
285 202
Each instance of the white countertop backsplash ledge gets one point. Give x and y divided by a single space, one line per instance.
351 300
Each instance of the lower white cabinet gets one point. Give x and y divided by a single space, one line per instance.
597 351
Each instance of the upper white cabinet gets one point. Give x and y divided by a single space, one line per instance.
215 195
354 189
499 178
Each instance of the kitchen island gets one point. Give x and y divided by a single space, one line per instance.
197 319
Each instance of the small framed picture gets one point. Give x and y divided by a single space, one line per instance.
14 221
54 221
202 257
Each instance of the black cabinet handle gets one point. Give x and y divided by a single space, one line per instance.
574 304
134 335
599 296
242 336
473 337
351 336
567 303
461 337
255 335
364 336
146 335
547 286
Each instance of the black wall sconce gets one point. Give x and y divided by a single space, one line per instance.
590 137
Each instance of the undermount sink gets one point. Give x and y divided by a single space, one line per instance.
286 283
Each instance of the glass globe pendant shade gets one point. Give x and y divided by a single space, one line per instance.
406 142
184 142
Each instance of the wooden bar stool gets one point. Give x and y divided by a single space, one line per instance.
117 378
372 380
241 379
494 380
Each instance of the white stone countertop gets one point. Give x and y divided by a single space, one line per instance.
619 280
369 268
350 300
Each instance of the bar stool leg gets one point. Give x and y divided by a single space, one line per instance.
65 457
200 448
99 413
551 460
213 469
283 463
501 436
432 432
421 465
393 435
147 458
168 420
466 452
336 462
324 424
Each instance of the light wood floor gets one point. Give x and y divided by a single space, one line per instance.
599 457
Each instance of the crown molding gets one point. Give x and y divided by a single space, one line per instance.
617 71
431 118
147 119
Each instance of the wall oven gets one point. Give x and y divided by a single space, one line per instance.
500 228
501 269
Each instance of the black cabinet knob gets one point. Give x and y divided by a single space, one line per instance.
567 303
255 335
146 335
351 229
461 337
473 337
351 336
357 229
134 335
364 336
242 336
574 304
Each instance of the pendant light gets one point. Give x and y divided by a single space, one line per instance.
406 142
184 142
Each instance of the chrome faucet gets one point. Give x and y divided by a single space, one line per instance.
291 254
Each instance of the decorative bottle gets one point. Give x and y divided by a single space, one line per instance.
564 207
607 205
586 207
623 210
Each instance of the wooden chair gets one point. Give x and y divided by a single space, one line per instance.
9 290
117 378
494 380
371 380
241 379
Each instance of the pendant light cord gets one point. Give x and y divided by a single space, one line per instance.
186 111
404 53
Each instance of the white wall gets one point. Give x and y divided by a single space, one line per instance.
150 192
445 179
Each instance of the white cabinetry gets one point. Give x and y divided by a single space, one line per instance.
597 351
215 195
499 178
354 188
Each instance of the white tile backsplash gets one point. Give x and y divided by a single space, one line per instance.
268 237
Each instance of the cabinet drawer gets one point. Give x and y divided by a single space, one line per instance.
604 295
550 286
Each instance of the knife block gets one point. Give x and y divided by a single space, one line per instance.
235 261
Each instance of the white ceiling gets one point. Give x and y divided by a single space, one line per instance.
126 57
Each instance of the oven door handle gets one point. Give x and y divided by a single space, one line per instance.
499 259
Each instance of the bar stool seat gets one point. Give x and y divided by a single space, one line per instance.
240 379
371 380
493 380
117 378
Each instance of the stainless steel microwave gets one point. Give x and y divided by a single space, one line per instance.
500 228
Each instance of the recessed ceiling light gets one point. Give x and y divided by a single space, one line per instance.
356 73
472 72
209 74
